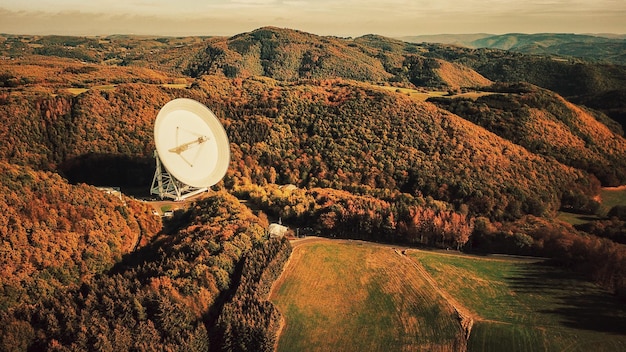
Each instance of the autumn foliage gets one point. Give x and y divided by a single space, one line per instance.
249 321
400 218
56 235
165 296
86 270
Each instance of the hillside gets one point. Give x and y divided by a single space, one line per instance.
520 304
587 69
451 160
340 295
289 55
56 235
576 80
286 55
592 47
546 124
410 146
588 47
75 281
325 136
168 54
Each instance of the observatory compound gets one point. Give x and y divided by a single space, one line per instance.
192 151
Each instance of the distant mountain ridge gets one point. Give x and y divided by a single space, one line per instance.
456 39
595 47
519 41
471 39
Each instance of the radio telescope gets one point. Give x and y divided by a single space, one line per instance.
192 151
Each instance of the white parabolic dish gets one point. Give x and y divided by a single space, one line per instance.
191 143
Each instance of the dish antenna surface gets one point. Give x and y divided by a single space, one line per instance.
192 150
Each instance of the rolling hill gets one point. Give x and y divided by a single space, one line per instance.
325 135
588 47
409 146
403 145
593 47
576 137
289 54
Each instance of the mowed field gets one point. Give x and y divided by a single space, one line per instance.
420 95
351 296
355 296
525 305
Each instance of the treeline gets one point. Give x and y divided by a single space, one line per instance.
249 321
398 218
600 259
402 218
612 228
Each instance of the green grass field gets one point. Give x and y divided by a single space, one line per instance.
528 306
612 197
354 296
575 219
342 296
609 197
77 91
419 95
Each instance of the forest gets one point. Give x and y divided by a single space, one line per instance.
322 136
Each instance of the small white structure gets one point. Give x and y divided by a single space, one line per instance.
277 230
288 187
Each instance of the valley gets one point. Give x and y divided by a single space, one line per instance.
469 198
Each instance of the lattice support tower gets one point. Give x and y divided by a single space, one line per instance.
165 185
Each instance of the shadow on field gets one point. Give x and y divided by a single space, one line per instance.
576 302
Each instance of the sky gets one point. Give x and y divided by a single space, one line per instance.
346 18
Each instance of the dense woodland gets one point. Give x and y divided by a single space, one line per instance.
317 139
547 124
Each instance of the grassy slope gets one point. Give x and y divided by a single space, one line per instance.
609 197
422 95
350 296
525 306
354 296
612 196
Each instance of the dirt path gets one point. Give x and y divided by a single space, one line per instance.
466 317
